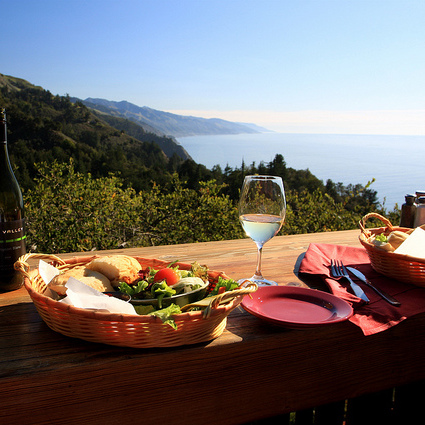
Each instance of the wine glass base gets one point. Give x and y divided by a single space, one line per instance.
259 281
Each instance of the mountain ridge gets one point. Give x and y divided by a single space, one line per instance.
44 128
170 124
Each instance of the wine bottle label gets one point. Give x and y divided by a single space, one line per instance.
12 243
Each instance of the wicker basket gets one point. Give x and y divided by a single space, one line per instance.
123 329
397 266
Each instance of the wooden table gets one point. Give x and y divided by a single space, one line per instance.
253 371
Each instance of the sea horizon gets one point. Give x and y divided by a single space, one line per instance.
346 158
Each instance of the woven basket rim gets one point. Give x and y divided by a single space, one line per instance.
405 257
115 317
366 233
130 330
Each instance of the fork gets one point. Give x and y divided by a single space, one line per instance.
338 270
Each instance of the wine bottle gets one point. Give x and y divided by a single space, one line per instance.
12 219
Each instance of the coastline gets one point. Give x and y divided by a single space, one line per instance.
349 159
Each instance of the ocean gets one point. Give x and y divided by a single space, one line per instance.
396 162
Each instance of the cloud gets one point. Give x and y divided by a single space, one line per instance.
399 122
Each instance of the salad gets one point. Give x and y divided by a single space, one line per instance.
169 281
157 284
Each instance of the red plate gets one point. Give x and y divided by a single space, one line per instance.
296 307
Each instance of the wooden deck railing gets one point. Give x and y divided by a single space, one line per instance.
396 406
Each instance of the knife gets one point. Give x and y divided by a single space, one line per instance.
384 295
357 290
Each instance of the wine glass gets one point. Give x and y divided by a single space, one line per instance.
262 209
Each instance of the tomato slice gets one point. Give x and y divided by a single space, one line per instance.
169 275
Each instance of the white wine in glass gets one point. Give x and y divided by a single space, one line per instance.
262 209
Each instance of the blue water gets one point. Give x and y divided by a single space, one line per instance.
396 162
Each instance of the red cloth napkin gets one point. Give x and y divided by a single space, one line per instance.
378 315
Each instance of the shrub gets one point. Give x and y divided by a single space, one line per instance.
68 211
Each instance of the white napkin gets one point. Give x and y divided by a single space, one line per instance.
47 272
414 245
80 295
83 296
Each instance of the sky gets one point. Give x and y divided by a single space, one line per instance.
294 66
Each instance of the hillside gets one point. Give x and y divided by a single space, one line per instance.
170 124
168 144
44 128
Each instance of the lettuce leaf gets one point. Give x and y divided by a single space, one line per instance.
166 314
133 290
160 290
381 238
228 284
144 309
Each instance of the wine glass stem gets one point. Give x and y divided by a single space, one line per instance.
258 274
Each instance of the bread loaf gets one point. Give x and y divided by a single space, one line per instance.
89 277
396 238
117 268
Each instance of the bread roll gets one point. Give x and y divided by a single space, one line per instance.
396 238
89 277
117 268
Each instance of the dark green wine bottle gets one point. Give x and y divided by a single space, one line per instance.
12 219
